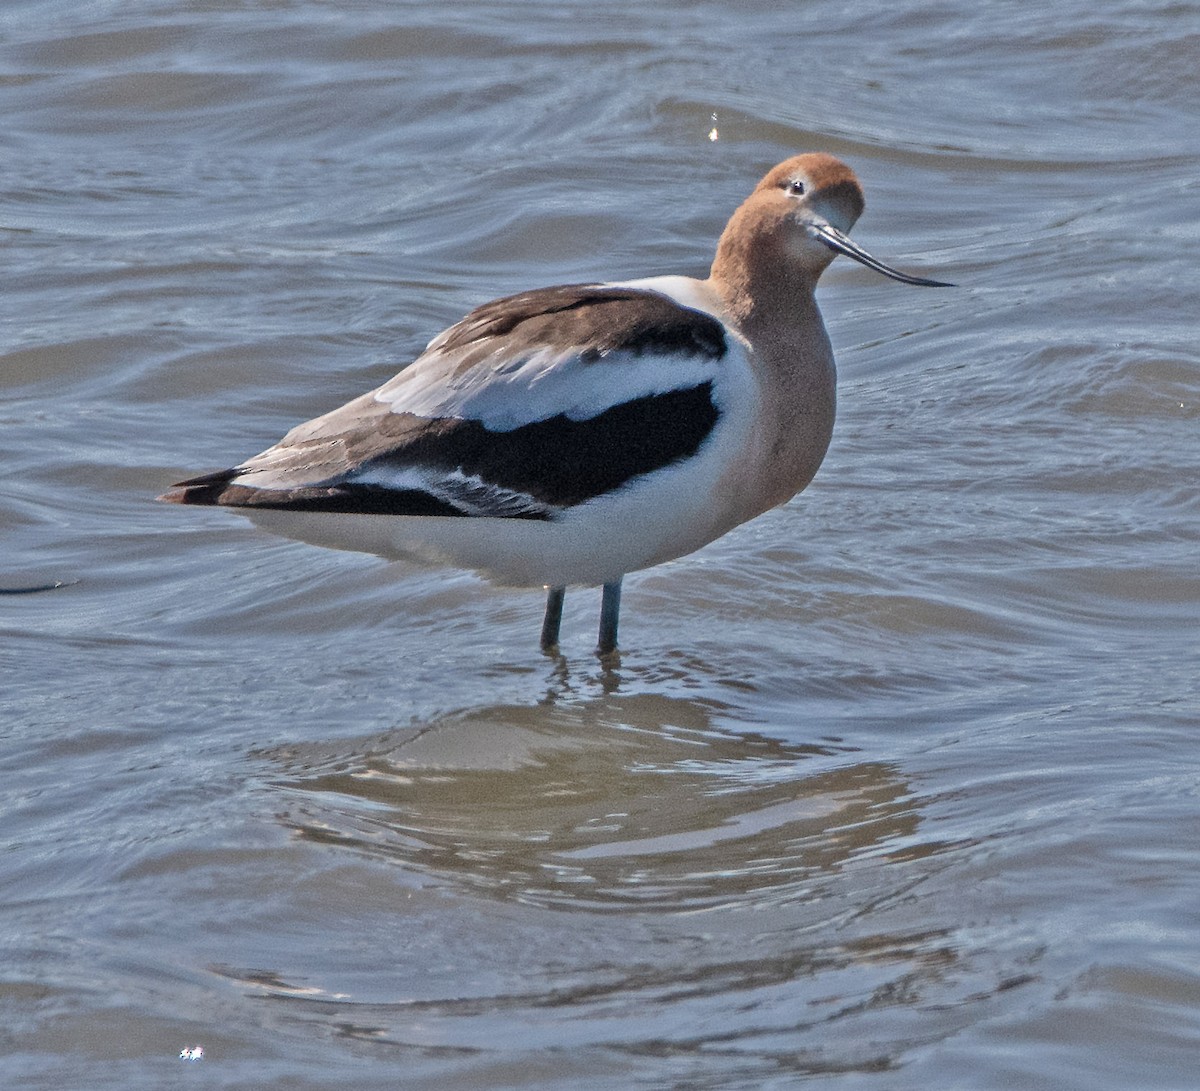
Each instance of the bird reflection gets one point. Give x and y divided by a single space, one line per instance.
649 867
640 800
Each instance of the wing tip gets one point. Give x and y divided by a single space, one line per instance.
206 489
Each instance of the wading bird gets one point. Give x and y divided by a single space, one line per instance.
569 435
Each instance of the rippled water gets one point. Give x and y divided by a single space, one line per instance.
894 787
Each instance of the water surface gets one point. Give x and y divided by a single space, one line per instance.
893 787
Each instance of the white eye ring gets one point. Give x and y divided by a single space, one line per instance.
795 187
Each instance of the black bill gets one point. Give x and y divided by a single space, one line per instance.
836 240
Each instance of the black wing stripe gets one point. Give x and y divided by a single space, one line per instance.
561 462
557 462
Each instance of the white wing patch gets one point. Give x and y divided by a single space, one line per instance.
512 387
471 494
505 392
688 292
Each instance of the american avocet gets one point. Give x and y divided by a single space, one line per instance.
569 435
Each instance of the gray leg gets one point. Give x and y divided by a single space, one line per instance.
610 610
553 618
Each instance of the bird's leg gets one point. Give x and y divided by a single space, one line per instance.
610 609
553 618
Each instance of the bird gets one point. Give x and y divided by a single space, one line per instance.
572 434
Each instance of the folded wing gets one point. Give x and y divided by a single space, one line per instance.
530 405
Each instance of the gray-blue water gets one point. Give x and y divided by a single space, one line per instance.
895 787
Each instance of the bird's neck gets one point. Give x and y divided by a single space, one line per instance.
762 288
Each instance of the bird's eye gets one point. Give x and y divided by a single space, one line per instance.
795 187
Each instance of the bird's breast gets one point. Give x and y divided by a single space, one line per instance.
795 405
